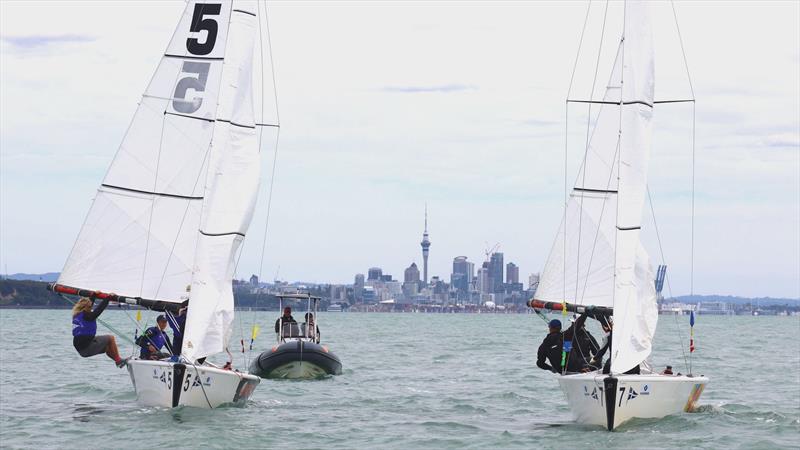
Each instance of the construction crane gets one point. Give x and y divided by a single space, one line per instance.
489 251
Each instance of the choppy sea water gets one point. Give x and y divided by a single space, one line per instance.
409 381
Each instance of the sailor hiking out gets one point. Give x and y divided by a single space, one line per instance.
84 332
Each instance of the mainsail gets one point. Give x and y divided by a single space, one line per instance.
597 258
178 198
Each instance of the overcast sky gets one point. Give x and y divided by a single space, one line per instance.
387 106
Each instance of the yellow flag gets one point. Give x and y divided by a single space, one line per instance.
256 329
139 315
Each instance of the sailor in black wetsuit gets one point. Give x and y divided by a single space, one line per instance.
84 330
597 359
556 342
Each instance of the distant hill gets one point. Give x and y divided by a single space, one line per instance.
29 294
49 276
763 301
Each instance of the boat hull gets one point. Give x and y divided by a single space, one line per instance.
296 360
610 401
169 384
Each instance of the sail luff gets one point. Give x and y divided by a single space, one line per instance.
231 191
635 313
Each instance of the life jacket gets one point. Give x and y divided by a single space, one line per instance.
83 327
152 336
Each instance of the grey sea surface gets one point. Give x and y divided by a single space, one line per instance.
409 381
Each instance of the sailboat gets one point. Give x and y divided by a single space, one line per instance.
173 209
598 264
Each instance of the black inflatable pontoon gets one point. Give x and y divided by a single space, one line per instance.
296 359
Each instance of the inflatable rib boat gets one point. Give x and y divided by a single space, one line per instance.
298 353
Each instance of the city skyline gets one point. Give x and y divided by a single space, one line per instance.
376 122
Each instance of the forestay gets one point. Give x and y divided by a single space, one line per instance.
597 258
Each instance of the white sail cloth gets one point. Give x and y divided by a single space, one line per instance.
140 234
597 258
231 193
178 198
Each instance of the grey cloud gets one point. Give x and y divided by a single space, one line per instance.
443 88
782 140
40 41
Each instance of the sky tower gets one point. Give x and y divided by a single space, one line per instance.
426 244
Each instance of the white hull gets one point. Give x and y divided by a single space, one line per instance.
609 401
168 384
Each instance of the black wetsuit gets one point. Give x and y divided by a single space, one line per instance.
81 341
553 345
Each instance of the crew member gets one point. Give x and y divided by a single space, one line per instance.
557 342
153 339
178 325
310 328
84 330
284 319
608 328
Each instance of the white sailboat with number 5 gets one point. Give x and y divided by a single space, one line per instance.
169 217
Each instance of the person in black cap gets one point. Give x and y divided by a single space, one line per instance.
556 343
153 339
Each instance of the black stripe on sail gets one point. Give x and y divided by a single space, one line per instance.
221 234
160 194
236 124
628 228
188 116
223 120
244 12
603 102
599 191
207 58
658 102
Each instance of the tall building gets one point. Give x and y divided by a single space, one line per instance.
411 274
426 244
358 287
374 274
512 273
463 273
496 272
483 280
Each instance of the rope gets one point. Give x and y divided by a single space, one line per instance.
664 261
586 154
275 153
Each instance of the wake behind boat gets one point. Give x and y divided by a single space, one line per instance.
598 266
298 353
173 209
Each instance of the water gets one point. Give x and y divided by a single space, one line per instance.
409 381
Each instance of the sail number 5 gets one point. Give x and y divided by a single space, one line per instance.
198 69
199 24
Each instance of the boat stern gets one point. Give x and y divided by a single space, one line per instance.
611 400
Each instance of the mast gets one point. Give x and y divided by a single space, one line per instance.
602 262
231 190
